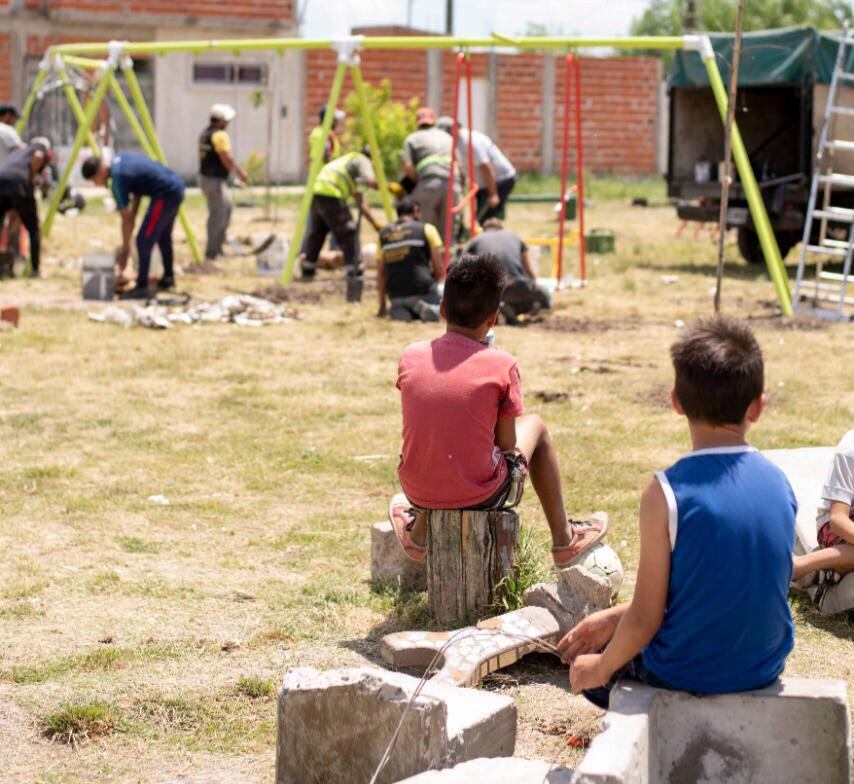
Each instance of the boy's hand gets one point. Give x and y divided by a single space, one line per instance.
587 672
589 636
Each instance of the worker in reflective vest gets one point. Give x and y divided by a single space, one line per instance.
427 161
337 181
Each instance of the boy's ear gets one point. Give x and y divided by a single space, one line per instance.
755 409
677 406
490 322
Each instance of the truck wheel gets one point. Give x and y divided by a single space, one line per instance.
749 247
751 250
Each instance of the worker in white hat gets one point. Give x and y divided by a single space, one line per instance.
216 163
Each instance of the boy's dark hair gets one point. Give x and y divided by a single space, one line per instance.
90 167
406 206
473 289
719 370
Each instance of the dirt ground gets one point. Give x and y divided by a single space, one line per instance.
275 450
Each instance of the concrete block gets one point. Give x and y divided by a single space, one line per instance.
806 470
796 730
499 770
576 594
474 651
10 314
390 564
334 726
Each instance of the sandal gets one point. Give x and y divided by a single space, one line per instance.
585 534
401 515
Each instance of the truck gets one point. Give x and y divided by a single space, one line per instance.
783 84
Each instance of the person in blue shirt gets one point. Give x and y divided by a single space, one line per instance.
132 176
710 611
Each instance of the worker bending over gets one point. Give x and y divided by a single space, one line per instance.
337 181
216 163
494 174
409 266
131 177
521 294
427 162
19 174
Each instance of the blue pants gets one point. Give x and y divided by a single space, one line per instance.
156 229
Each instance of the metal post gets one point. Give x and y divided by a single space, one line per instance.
151 132
370 132
314 169
21 125
767 239
128 112
88 119
579 161
74 103
449 214
564 168
470 173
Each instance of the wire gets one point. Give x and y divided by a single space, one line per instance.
456 636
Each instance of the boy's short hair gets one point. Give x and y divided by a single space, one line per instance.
90 167
406 206
473 289
719 370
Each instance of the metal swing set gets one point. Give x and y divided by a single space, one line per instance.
117 57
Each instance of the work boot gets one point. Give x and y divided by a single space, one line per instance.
354 289
165 283
137 292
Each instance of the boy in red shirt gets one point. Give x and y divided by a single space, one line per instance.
465 432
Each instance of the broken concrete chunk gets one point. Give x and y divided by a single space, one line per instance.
334 726
501 770
473 652
576 594
390 564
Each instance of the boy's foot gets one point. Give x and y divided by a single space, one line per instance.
585 533
827 579
401 515
165 283
135 293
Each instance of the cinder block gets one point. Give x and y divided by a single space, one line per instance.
500 770
576 594
10 313
796 730
334 726
390 564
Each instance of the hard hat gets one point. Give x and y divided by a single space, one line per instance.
222 111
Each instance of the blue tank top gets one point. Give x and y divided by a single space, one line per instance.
727 625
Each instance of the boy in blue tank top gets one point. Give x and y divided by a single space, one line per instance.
710 611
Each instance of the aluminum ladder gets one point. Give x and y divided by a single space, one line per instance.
829 286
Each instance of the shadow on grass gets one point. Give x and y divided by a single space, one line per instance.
841 626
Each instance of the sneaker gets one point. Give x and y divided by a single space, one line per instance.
165 283
135 293
401 515
826 579
585 533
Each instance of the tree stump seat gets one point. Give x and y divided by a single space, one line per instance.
469 554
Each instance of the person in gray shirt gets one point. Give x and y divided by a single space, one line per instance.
521 294
9 138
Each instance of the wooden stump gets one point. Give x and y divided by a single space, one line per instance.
469 553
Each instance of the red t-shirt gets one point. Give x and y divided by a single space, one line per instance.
453 390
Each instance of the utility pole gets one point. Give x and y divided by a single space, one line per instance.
449 17
691 17
409 4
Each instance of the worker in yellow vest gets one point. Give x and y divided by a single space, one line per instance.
337 181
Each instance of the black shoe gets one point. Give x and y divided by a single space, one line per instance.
165 283
135 293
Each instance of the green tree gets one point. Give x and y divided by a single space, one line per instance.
664 17
393 121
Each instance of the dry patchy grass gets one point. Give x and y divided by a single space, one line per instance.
277 449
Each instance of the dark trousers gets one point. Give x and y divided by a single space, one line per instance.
28 212
156 229
522 296
484 211
331 216
633 671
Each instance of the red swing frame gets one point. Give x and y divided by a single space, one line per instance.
572 75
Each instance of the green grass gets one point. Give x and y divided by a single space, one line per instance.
530 570
75 723
255 688
133 544
602 188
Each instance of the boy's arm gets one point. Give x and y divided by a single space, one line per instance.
381 287
592 634
644 615
505 433
840 520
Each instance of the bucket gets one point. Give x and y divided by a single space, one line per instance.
99 276
599 241
271 261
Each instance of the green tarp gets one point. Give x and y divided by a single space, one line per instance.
769 57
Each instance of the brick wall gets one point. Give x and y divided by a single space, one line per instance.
618 114
5 67
261 10
519 111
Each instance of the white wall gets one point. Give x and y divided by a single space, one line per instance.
274 129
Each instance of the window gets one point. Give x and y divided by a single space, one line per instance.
229 73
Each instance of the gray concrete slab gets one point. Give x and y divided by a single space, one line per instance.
500 770
390 564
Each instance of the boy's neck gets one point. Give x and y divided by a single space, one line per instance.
476 333
705 436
